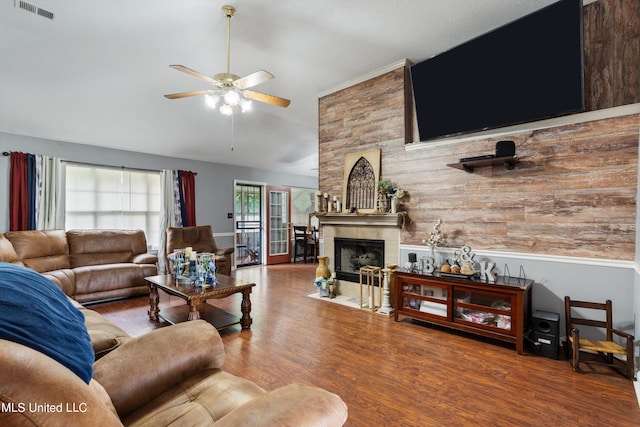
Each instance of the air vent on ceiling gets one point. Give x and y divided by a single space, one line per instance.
28 6
45 13
35 9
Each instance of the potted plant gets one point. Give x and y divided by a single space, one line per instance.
384 185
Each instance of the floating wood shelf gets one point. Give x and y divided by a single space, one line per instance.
509 162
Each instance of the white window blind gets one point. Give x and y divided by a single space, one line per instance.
110 198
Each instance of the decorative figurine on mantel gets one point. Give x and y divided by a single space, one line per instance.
434 238
319 201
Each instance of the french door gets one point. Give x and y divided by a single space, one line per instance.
278 218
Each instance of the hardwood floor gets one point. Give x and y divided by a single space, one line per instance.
397 373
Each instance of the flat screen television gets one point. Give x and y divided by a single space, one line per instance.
527 70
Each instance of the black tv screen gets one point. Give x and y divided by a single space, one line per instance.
527 70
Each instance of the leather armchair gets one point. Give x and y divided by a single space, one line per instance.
200 238
169 376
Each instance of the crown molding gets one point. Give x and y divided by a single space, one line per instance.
364 77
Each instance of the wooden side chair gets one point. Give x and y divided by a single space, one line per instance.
576 346
306 240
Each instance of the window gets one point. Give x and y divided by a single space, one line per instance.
303 203
113 198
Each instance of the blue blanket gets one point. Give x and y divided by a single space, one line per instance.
36 313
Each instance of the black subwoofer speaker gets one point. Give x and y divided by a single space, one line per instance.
546 334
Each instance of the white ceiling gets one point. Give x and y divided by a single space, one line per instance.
97 72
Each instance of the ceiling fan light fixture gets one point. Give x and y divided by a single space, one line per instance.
212 99
245 105
226 109
231 97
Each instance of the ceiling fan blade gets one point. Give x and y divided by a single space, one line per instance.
193 73
267 99
253 79
186 94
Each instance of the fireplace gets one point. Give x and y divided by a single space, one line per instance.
351 254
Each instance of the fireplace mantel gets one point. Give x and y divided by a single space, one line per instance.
387 219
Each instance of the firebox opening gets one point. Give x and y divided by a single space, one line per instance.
351 254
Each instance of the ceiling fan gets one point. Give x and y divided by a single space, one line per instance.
231 91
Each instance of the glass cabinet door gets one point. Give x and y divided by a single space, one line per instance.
428 299
480 308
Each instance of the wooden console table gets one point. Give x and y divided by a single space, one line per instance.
498 310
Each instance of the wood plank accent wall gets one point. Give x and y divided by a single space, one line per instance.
359 118
612 53
574 193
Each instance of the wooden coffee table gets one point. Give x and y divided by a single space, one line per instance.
195 297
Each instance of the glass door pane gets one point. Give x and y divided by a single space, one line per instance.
248 226
278 222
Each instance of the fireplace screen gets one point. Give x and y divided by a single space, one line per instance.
351 254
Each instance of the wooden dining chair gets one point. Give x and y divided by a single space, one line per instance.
306 240
576 346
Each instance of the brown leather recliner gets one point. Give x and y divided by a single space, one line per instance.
171 376
200 238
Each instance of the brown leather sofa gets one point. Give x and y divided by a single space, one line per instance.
200 239
171 376
88 265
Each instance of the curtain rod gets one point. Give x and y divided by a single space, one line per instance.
113 167
8 153
107 166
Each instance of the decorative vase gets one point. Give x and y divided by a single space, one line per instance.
322 270
394 205
382 203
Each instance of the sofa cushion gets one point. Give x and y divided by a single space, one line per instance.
41 250
108 278
93 247
202 399
34 312
102 342
105 335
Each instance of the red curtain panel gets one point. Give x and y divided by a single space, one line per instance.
189 192
18 192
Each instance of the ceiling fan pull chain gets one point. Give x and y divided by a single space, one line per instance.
233 137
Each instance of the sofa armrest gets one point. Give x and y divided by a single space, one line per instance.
29 380
225 251
146 258
292 405
143 368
